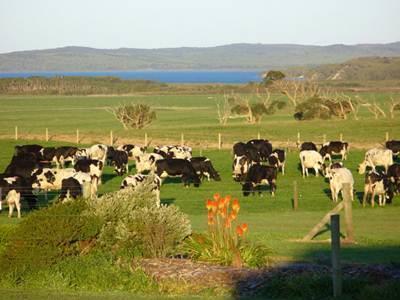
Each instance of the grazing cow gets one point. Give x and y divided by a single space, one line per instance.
393 175
74 186
334 148
50 179
147 162
260 175
376 157
277 159
137 180
263 147
204 167
178 167
248 150
240 167
132 150
327 169
97 152
13 188
377 184
48 153
337 178
310 159
308 146
394 146
163 151
93 167
182 152
65 154
120 162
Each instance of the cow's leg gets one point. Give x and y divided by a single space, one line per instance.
18 204
273 187
366 190
303 170
0 204
373 198
351 192
316 172
283 168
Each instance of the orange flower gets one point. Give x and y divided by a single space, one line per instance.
232 215
210 221
227 223
245 227
223 212
216 196
227 199
221 203
209 204
239 230
210 214
214 206
235 205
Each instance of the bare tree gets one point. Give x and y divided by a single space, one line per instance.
373 108
223 110
393 106
297 91
133 115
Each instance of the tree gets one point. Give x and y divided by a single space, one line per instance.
271 76
133 115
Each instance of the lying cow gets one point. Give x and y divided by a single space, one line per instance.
310 159
394 146
277 159
377 184
376 157
260 175
134 181
147 162
178 167
337 178
240 167
204 168
334 148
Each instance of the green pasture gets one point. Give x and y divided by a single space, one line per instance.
272 220
194 116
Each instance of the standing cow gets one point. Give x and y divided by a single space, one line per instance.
310 159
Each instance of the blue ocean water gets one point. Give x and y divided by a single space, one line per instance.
162 76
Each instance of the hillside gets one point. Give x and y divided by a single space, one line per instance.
359 69
235 56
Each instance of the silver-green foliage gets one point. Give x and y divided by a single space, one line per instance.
133 223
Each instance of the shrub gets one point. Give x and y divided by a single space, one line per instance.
134 115
47 236
133 223
223 244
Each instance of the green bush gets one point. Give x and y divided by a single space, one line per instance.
135 226
47 236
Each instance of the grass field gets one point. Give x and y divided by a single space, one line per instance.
272 220
193 115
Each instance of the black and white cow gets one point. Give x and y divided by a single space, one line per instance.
326 170
65 154
240 167
377 184
178 167
310 159
260 175
29 149
277 159
93 167
50 179
147 162
204 168
120 162
250 151
308 146
134 181
264 148
12 189
22 165
132 150
376 157
95 152
334 148
173 151
393 175
394 146
48 153
73 186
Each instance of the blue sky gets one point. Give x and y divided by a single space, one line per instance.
40 24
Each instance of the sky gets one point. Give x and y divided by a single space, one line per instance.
42 24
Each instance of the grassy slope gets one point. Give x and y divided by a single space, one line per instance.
194 116
272 220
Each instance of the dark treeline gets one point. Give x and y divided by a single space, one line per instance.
76 85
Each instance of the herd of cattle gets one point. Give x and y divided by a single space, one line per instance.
255 164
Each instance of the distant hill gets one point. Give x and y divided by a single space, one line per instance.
235 56
359 69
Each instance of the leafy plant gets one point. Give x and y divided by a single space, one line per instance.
134 115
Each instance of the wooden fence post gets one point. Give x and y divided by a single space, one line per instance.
298 138
201 151
1 196
386 136
348 212
295 196
335 247
16 133
341 137
111 138
219 141
47 134
145 139
258 136
77 136
182 140
323 138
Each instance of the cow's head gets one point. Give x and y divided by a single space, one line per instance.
240 167
362 167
